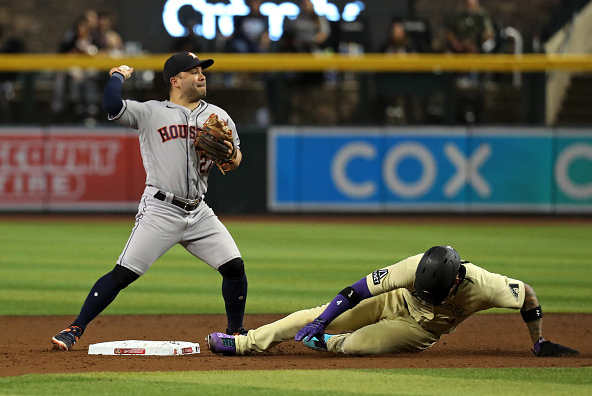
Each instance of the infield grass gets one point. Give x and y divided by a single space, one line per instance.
476 382
48 267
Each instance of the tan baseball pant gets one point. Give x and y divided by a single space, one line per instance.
381 324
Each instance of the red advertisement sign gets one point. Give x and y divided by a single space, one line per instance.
70 169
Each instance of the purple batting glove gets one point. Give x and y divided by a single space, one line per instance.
315 328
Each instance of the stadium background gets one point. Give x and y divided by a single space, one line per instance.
61 163
146 27
516 100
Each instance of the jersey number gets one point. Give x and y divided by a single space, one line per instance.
205 164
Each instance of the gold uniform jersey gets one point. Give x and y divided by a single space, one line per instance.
479 290
394 319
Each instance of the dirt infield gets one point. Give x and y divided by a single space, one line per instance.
484 340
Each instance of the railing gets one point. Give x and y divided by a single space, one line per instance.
514 34
376 76
377 63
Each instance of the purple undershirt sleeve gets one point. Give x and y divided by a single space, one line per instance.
340 304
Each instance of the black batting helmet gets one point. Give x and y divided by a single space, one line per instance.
436 273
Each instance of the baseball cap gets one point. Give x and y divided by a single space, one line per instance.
183 61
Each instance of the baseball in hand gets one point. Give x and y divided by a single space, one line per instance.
124 67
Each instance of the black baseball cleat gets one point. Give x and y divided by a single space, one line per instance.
239 331
66 338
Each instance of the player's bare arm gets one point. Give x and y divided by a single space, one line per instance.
535 327
532 314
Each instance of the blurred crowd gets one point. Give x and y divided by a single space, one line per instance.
9 44
77 92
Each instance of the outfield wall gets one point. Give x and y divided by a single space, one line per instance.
376 170
430 169
70 169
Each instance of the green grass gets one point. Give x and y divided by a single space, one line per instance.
47 268
476 382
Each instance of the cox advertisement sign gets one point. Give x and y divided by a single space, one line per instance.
430 169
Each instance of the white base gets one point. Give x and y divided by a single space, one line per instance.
144 348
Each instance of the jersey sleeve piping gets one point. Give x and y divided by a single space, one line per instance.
118 116
204 109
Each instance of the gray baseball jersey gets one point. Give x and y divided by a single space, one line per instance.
174 171
167 132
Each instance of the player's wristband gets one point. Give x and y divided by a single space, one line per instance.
118 75
532 314
351 295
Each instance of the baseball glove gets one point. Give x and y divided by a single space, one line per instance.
210 142
544 348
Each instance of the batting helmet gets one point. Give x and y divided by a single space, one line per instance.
436 273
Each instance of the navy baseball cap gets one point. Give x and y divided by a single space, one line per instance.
183 61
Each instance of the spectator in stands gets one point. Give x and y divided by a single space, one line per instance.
308 32
398 107
84 95
92 17
250 36
9 44
109 40
470 31
250 31
351 36
397 42
80 39
190 42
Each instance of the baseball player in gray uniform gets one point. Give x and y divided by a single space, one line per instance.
172 209
405 307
